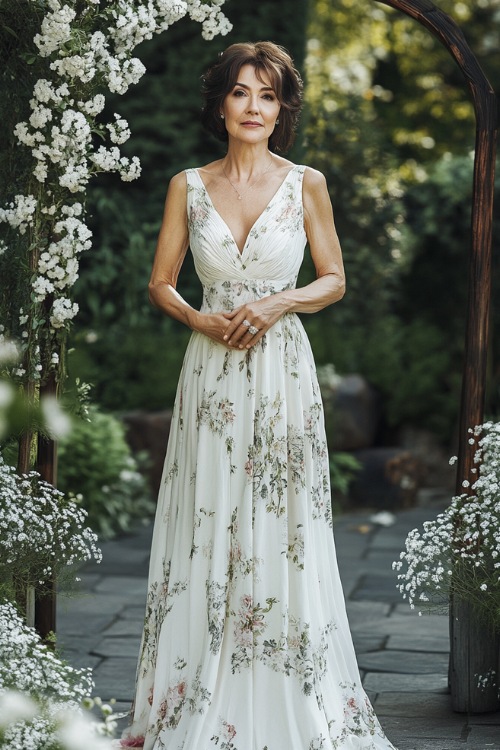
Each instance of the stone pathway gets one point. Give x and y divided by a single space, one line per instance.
403 658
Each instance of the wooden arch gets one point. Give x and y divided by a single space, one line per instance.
470 657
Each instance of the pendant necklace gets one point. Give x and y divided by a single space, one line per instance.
240 195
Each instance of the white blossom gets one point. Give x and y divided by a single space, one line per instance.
93 106
55 29
118 131
19 214
57 422
63 310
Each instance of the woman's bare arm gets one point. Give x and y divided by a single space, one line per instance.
171 248
329 285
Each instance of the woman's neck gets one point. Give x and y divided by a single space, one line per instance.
244 160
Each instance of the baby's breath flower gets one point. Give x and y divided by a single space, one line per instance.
459 550
40 530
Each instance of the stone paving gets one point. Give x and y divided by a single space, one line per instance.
403 658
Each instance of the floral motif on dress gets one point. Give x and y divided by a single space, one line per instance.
294 653
267 456
239 564
295 548
226 733
216 613
249 624
359 718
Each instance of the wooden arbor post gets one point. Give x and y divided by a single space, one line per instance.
471 655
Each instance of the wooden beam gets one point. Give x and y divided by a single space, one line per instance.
45 601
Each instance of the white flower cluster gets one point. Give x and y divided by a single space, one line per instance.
41 532
58 264
40 694
19 214
29 666
87 49
212 20
461 547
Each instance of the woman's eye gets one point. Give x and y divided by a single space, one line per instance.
269 97
239 92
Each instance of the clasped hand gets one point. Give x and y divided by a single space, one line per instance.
229 328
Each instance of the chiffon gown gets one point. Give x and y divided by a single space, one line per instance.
246 643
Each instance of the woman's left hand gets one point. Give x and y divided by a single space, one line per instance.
260 315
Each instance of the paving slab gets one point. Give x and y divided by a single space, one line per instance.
122 647
424 643
415 705
365 642
361 611
133 613
380 588
123 586
131 627
115 678
388 682
403 624
418 743
103 603
399 728
488 734
74 624
405 662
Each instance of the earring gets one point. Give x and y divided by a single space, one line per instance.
278 121
222 116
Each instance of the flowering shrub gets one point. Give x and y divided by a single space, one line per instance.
41 695
41 531
97 466
459 551
80 51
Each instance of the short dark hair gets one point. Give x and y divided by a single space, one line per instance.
264 57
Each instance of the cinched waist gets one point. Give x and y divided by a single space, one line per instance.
225 295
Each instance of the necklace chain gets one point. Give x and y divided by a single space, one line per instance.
240 195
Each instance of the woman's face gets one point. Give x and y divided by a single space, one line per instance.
251 108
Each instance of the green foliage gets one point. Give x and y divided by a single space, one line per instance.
97 467
133 369
343 470
391 125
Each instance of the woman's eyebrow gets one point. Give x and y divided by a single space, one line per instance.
244 86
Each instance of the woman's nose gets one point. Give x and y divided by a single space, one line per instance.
253 104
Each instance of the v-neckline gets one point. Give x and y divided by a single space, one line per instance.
259 217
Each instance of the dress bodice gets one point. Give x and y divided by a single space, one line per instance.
272 253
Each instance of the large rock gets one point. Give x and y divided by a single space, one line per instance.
148 431
352 413
389 479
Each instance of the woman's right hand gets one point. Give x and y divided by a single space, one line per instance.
213 325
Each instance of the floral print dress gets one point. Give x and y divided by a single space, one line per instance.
246 643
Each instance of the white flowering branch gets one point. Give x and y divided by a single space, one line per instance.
459 552
85 49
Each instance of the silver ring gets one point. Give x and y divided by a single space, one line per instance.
253 330
246 323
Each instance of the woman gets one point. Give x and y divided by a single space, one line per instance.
246 644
